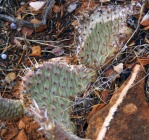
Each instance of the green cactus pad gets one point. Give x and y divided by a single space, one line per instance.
103 34
10 109
52 85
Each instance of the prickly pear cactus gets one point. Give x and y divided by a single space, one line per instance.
10 109
52 85
102 35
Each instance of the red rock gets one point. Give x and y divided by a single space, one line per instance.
131 119
21 135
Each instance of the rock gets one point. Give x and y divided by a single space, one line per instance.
3 132
21 125
21 135
126 117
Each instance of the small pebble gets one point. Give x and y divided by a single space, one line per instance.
22 3
13 26
3 56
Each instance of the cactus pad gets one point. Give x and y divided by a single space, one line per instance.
103 34
10 109
52 85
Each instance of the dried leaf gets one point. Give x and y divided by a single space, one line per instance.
41 27
118 68
19 16
36 51
146 28
10 77
26 31
37 5
147 39
105 94
95 109
34 21
143 61
131 43
66 59
145 20
75 23
109 72
57 51
56 9
62 10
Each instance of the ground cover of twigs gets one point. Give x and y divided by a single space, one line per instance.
31 33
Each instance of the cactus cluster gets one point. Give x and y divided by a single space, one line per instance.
53 84
102 35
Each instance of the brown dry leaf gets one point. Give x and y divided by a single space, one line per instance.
56 9
7 24
19 16
41 27
62 10
105 94
64 59
85 4
143 61
34 21
57 51
10 77
95 109
131 43
27 31
147 39
75 23
110 72
146 28
36 51
145 20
